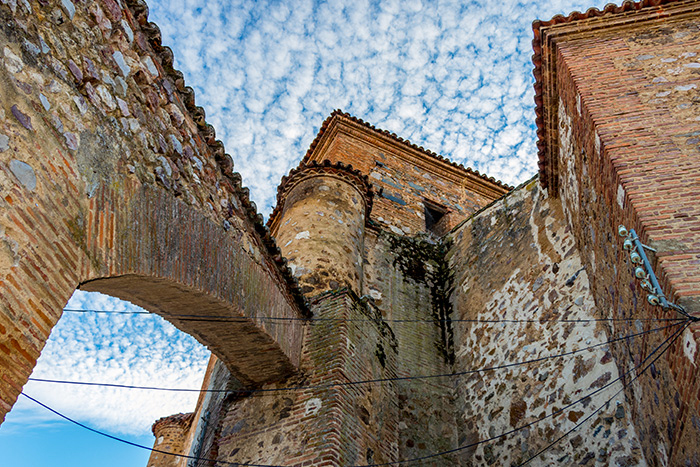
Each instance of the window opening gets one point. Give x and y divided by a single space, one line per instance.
434 213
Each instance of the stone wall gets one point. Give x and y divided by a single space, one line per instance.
403 281
111 179
619 92
399 327
320 226
517 260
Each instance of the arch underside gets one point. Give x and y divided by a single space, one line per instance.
249 353
211 282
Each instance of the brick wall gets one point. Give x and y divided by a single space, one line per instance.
108 169
401 274
620 146
320 425
404 176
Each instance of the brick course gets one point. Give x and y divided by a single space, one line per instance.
103 152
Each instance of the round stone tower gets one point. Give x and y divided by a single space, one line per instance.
171 434
319 224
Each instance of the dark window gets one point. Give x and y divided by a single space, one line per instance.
433 215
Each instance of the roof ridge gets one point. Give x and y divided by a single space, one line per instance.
339 113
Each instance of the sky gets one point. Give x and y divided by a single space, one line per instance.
452 76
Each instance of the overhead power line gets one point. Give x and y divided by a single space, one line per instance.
368 381
131 443
315 320
671 338
674 337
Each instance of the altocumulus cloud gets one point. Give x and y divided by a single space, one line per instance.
139 350
452 76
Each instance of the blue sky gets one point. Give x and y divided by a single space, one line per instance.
452 76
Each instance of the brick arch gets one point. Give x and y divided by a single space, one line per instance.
140 243
112 180
172 260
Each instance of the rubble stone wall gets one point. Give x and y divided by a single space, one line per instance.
517 278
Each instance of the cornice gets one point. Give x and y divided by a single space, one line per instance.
311 169
182 420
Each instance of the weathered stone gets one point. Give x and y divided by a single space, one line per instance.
90 69
127 30
4 143
13 63
71 141
121 63
75 70
106 97
24 119
620 411
31 48
24 173
81 104
69 8
44 102
113 10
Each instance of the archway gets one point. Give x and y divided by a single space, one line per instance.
139 243
105 340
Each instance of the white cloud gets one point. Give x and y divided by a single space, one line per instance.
138 350
427 71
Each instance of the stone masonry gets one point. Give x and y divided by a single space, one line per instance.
419 309
112 180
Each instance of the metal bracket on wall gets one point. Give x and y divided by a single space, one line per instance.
644 272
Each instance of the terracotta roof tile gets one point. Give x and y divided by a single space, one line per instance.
339 113
139 11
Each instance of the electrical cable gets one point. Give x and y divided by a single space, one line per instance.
244 319
369 381
131 443
624 386
406 461
522 427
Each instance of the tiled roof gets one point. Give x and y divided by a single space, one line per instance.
610 9
340 114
